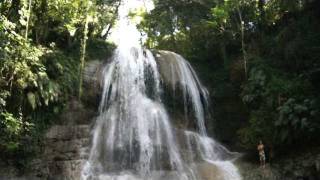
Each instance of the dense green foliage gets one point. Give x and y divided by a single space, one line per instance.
42 46
259 58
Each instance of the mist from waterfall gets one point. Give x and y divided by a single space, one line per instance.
133 137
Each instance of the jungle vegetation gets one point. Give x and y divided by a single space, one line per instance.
259 58
43 47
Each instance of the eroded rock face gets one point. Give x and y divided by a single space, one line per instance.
92 83
66 145
66 148
64 151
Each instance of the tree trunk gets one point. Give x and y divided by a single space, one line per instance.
28 19
244 55
224 54
105 36
83 53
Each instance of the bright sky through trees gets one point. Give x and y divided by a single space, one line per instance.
125 28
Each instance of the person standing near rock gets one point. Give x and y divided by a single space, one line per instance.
262 155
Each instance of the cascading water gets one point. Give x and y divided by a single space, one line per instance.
133 137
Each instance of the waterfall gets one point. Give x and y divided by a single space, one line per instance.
133 137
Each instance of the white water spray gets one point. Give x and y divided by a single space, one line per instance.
133 138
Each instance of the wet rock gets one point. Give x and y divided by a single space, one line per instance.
65 170
67 132
210 172
66 148
92 83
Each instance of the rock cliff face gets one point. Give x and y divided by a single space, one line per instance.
92 84
66 144
65 150
65 147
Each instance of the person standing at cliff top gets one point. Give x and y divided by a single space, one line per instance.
262 155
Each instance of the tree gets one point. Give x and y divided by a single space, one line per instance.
41 42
